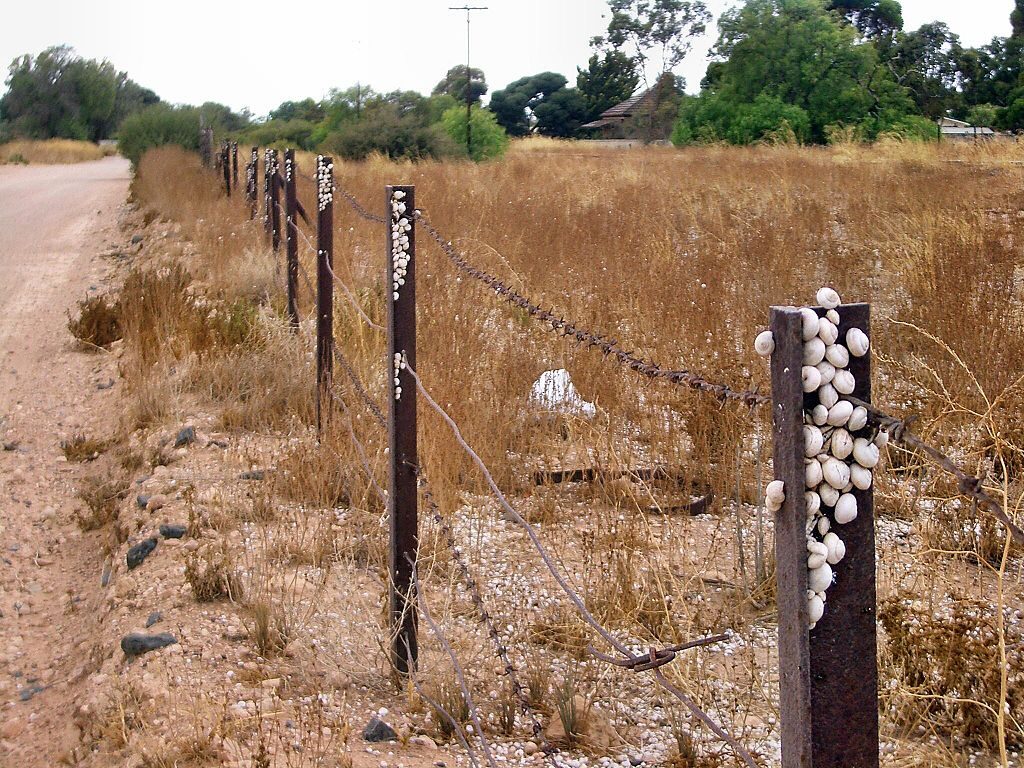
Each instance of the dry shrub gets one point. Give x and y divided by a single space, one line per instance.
447 704
102 495
98 323
81 448
52 151
947 663
211 572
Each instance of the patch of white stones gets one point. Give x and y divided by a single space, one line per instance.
400 252
840 450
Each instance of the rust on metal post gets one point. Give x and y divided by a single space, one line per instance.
400 270
274 200
843 645
791 538
225 164
828 676
291 237
324 284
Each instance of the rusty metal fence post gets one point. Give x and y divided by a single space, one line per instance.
225 163
274 201
828 676
324 284
266 189
400 269
251 174
291 237
234 164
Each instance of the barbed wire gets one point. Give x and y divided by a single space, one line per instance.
476 598
354 203
360 388
360 448
968 485
608 347
629 660
353 301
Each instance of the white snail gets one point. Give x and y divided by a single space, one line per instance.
844 382
828 298
846 509
840 413
829 495
811 378
764 344
882 439
814 351
860 477
857 342
819 415
813 441
838 355
827 332
836 473
775 495
859 419
815 609
835 548
827 371
833 316
828 396
841 444
865 453
812 474
810 323
819 579
823 525
812 503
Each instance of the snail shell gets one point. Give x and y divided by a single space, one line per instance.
815 609
810 323
813 441
827 371
828 396
845 383
838 355
833 316
881 439
827 332
823 525
811 378
859 419
828 298
819 579
813 474
846 509
829 495
819 415
812 503
865 453
840 412
836 473
860 477
764 344
775 492
857 342
842 443
814 351
835 547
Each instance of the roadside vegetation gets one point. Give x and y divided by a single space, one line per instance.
51 151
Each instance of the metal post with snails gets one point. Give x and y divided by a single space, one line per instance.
822 498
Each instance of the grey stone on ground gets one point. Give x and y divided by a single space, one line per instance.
153 618
186 436
173 530
378 730
256 474
142 500
136 239
140 552
31 691
136 643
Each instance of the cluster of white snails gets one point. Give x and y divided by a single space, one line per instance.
399 366
324 182
287 168
400 228
839 450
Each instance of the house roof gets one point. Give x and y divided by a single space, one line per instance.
621 111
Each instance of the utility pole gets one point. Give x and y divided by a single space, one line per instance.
469 78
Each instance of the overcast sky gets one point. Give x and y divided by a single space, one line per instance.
257 54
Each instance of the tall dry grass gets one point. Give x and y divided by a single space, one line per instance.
678 255
52 151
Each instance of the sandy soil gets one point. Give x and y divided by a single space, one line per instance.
53 223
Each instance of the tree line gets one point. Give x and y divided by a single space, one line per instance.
811 71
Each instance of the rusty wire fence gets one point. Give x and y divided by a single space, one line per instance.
408 489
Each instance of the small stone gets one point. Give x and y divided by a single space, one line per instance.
158 501
11 446
31 691
186 436
153 618
378 730
136 239
142 500
424 741
136 644
173 530
105 385
12 728
140 552
255 474
530 748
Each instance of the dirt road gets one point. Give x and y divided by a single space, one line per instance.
54 221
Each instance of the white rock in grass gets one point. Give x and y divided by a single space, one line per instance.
810 323
554 391
828 298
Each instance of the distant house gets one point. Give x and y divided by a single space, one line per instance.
959 130
612 124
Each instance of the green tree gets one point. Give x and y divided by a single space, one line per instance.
156 126
489 139
514 105
926 62
307 110
797 54
606 81
464 89
873 19
642 29
562 113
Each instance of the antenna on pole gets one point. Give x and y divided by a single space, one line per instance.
469 79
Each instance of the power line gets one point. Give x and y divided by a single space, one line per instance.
469 77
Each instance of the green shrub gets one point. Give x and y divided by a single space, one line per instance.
388 132
156 126
488 139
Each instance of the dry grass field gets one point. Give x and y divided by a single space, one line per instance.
52 151
678 255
